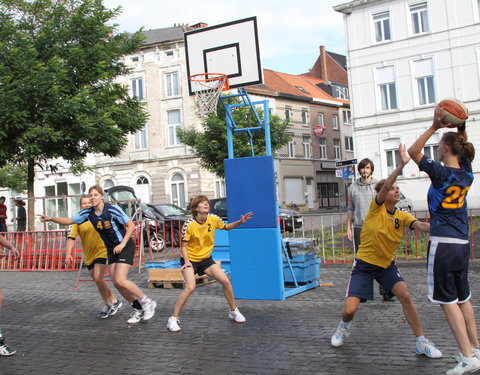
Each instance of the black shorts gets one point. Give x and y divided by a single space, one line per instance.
125 256
95 261
200 267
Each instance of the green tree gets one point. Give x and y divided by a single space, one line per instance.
59 93
210 143
14 177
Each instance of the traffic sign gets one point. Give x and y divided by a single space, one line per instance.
318 130
346 162
339 173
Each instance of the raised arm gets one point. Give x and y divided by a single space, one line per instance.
243 218
382 194
58 220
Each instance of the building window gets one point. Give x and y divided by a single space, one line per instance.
419 18
323 148
306 146
178 190
220 189
172 83
381 23
304 117
335 122
431 152
291 148
387 88
340 92
137 88
336 149
142 180
141 139
288 113
320 119
173 125
347 117
393 160
348 143
425 81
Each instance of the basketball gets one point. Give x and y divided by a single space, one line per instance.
454 110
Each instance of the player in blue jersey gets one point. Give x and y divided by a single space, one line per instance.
115 229
448 248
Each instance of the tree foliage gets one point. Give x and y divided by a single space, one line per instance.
59 61
210 143
14 177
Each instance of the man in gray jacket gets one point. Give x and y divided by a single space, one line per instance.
360 195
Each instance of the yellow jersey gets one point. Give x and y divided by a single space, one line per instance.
381 234
92 243
201 237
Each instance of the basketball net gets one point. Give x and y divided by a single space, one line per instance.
207 88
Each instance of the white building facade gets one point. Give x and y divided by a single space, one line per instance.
404 57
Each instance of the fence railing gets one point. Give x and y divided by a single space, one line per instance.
46 250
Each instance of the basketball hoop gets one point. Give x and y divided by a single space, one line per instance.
207 88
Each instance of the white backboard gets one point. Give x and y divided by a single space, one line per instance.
231 48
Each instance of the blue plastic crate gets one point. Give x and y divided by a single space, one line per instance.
304 271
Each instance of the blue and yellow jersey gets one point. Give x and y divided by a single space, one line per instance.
447 197
110 224
92 244
381 234
201 237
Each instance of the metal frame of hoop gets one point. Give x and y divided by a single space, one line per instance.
207 88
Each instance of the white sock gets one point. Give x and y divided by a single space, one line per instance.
144 299
420 338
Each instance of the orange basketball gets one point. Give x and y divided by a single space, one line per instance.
455 111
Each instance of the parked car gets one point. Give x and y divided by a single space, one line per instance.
174 218
153 223
289 218
405 204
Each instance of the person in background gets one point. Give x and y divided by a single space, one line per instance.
449 247
21 215
4 349
3 215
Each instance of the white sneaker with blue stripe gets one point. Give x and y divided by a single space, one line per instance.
427 347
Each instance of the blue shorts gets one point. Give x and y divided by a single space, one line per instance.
363 274
448 270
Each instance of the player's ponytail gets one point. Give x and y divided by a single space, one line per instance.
458 146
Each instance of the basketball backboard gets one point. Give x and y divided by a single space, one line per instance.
231 48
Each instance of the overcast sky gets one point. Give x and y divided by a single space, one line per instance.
290 32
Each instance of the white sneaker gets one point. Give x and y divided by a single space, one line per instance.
135 316
343 330
236 315
476 352
104 312
149 309
115 307
428 348
465 365
6 351
172 324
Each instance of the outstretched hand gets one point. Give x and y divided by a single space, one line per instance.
43 218
247 216
402 149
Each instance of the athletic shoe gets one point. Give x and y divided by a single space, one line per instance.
6 351
114 308
465 365
172 324
149 309
135 316
105 312
476 352
343 330
428 348
236 315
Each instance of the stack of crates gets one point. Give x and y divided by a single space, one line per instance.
304 261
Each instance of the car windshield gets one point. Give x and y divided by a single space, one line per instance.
151 212
171 210
123 195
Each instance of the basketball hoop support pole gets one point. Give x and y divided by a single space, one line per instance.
232 126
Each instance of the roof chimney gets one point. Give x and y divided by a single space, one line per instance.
323 64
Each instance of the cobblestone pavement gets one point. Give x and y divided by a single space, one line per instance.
55 330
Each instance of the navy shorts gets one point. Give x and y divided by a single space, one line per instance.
200 267
447 270
363 274
95 261
125 256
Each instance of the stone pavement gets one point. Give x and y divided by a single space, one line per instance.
55 330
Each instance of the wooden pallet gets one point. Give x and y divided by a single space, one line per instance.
172 278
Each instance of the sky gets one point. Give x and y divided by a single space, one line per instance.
290 32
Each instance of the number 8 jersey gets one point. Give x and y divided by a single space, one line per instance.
447 197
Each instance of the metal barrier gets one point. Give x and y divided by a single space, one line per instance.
46 250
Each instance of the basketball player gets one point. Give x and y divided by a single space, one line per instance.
380 237
198 236
449 248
